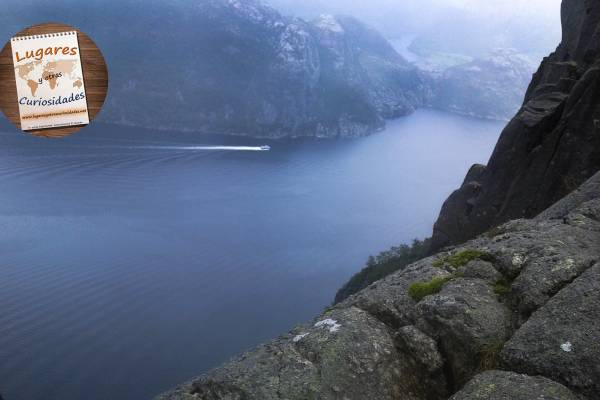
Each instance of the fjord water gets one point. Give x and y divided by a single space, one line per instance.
132 261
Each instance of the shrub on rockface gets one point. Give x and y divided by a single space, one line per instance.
382 265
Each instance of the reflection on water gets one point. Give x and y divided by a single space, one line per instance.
130 265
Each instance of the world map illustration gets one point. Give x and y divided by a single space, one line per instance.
37 73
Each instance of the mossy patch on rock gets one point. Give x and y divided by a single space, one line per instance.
461 258
419 290
501 288
439 263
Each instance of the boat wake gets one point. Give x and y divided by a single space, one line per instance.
208 148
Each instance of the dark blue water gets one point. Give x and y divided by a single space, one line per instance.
127 268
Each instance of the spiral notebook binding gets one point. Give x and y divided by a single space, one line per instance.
44 35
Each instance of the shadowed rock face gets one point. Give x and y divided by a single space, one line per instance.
524 297
548 149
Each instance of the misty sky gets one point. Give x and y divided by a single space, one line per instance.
530 25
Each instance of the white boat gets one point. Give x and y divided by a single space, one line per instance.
265 148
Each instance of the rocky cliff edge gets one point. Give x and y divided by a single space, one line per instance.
511 314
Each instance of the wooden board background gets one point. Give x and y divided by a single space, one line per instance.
95 76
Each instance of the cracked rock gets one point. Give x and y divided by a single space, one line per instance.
562 340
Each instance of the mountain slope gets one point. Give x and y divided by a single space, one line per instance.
491 87
254 72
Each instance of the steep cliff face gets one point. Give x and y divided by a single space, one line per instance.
512 314
548 149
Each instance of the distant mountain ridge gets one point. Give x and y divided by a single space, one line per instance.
491 87
258 73
255 72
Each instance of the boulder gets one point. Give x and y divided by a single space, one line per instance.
481 269
562 339
389 300
470 324
344 354
503 385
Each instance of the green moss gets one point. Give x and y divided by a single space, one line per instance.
501 289
419 290
463 257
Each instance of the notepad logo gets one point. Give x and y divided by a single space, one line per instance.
50 82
